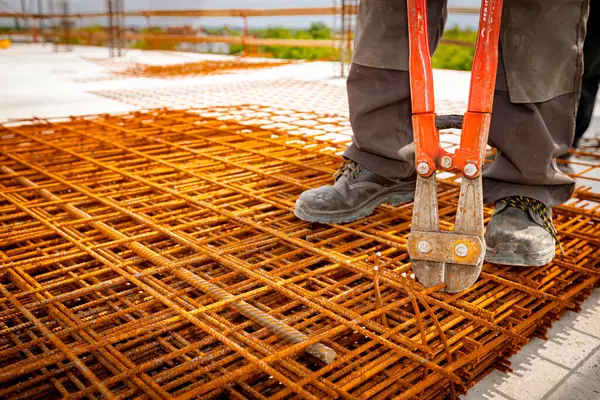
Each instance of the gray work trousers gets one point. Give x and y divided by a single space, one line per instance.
591 73
528 135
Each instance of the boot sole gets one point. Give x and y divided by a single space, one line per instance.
521 259
364 210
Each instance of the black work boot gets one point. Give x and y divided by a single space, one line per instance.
520 232
354 195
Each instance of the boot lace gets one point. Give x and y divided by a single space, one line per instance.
348 168
537 207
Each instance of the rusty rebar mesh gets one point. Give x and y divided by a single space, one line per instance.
118 69
131 244
208 67
307 96
283 92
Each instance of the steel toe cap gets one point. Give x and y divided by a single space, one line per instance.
324 199
513 237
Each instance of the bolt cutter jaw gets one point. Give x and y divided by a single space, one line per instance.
454 258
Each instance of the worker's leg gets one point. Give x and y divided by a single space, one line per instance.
380 114
528 137
585 111
379 87
380 165
524 181
524 177
591 73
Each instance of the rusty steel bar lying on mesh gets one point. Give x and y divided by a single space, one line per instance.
318 350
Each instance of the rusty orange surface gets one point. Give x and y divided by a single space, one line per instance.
130 244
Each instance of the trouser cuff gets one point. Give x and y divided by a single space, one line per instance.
550 195
394 170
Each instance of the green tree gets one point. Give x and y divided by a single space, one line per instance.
318 30
450 56
154 44
278 33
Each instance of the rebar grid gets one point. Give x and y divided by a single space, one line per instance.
155 255
283 92
326 100
198 68
120 69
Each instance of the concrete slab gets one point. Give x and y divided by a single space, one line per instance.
533 378
590 367
541 368
587 320
580 346
576 386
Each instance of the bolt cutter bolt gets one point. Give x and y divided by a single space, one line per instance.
424 247
423 168
470 170
461 250
446 161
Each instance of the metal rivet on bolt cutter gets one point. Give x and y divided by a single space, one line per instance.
461 250
424 247
423 168
470 169
446 162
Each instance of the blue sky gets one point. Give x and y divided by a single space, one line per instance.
299 22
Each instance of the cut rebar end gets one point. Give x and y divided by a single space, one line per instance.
322 352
